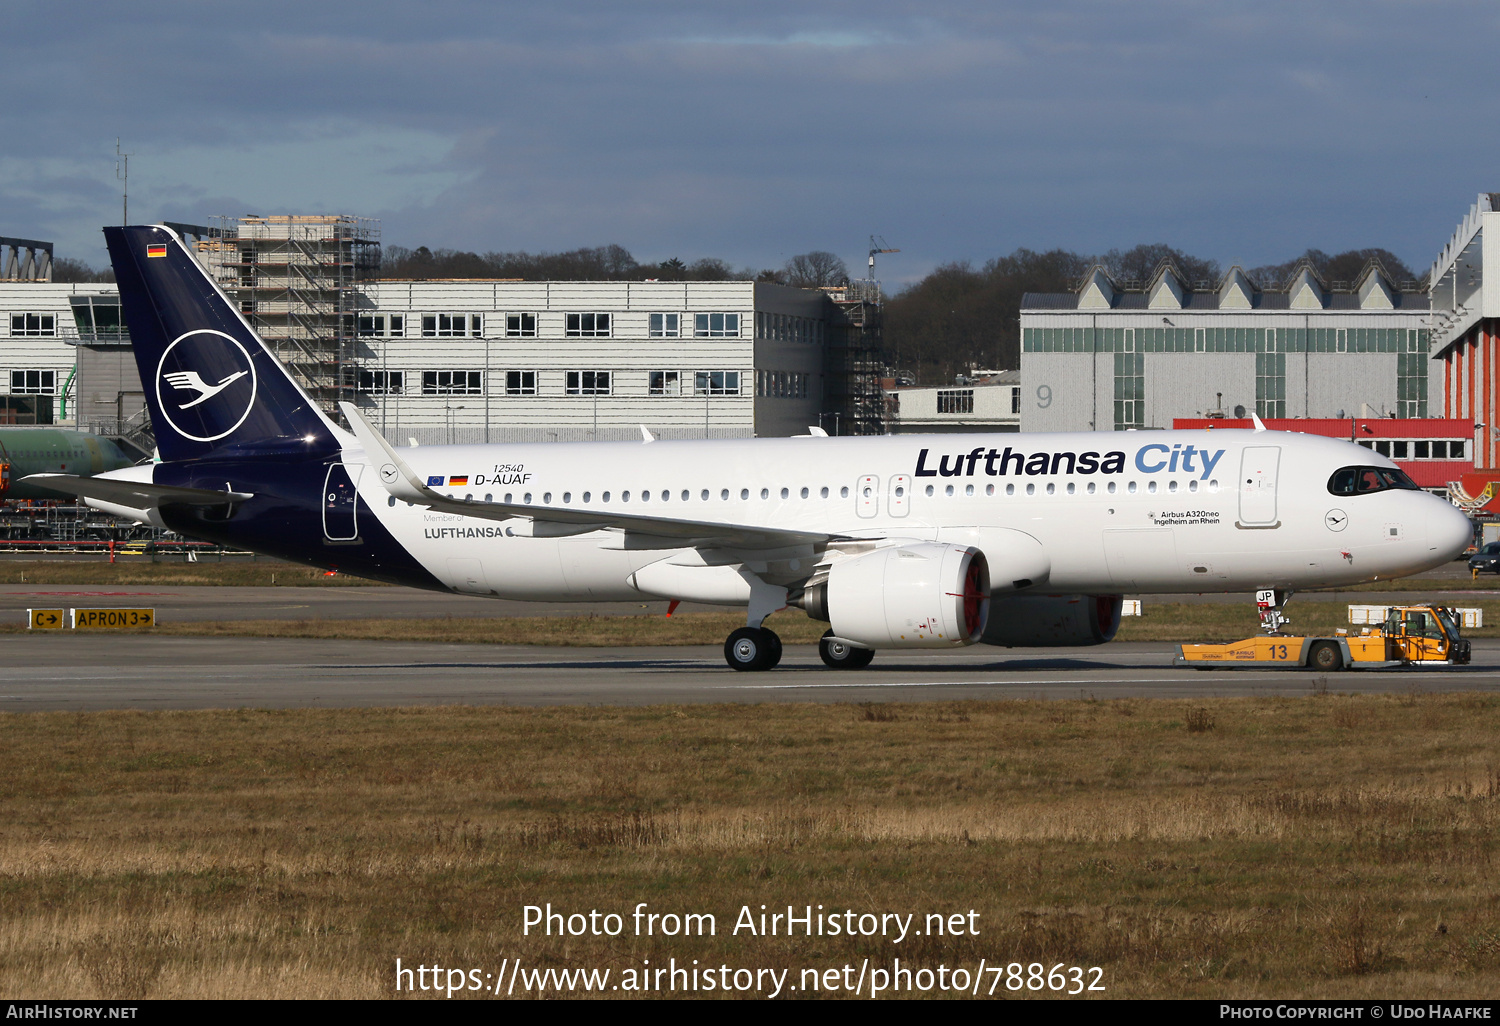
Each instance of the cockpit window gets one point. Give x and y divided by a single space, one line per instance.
1363 480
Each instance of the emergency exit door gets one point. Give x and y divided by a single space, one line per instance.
341 504
1257 486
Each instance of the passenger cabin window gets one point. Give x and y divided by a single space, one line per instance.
1363 480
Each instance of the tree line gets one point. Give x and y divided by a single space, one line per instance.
602 263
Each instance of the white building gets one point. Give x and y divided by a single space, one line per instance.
473 361
466 361
991 402
41 325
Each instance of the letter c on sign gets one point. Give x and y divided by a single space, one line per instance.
1140 458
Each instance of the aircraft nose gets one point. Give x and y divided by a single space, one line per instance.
1449 531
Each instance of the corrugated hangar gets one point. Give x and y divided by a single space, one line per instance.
1119 355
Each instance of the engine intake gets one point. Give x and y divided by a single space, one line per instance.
924 595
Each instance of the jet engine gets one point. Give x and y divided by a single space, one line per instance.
1052 620
922 595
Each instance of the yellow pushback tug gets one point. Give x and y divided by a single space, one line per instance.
1417 635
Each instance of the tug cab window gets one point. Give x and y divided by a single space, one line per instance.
1363 480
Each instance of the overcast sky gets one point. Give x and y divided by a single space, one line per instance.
1245 132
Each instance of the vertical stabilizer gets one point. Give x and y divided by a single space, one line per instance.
210 382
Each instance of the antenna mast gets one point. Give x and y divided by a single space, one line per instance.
122 173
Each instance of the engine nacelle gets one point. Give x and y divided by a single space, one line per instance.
1053 620
923 595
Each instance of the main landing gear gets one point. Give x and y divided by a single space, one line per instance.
756 648
752 648
840 655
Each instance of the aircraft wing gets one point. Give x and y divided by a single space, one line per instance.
135 494
399 480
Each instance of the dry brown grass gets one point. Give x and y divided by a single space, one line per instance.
589 631
1334 846
174 570
1219 621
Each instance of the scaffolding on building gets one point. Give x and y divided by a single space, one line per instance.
853 360
298 280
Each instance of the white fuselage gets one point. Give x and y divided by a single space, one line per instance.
1117 512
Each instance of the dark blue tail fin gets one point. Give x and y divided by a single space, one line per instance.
210 381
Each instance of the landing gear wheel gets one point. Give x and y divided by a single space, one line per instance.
1326 656
752 648
840 655
773 648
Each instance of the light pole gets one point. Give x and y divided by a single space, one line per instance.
448 411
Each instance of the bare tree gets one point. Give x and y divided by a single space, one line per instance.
815 270
68 269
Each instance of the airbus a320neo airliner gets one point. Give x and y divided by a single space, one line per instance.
897 542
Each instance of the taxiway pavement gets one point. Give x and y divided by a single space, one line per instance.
58 672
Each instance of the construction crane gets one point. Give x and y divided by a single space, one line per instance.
878 245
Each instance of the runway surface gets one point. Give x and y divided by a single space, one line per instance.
51 672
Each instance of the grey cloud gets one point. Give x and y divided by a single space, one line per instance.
756 131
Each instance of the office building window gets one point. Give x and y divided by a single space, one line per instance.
716 325
588 325
955 400
452 382
31 324
520 382
583 382
382 382
33 382
716 383
666 383
520 325
382 325
453 325
665 325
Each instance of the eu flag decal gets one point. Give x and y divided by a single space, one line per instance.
435 481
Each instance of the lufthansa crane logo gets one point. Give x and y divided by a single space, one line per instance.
205 385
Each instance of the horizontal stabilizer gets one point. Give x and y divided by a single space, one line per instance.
135 494
399 480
